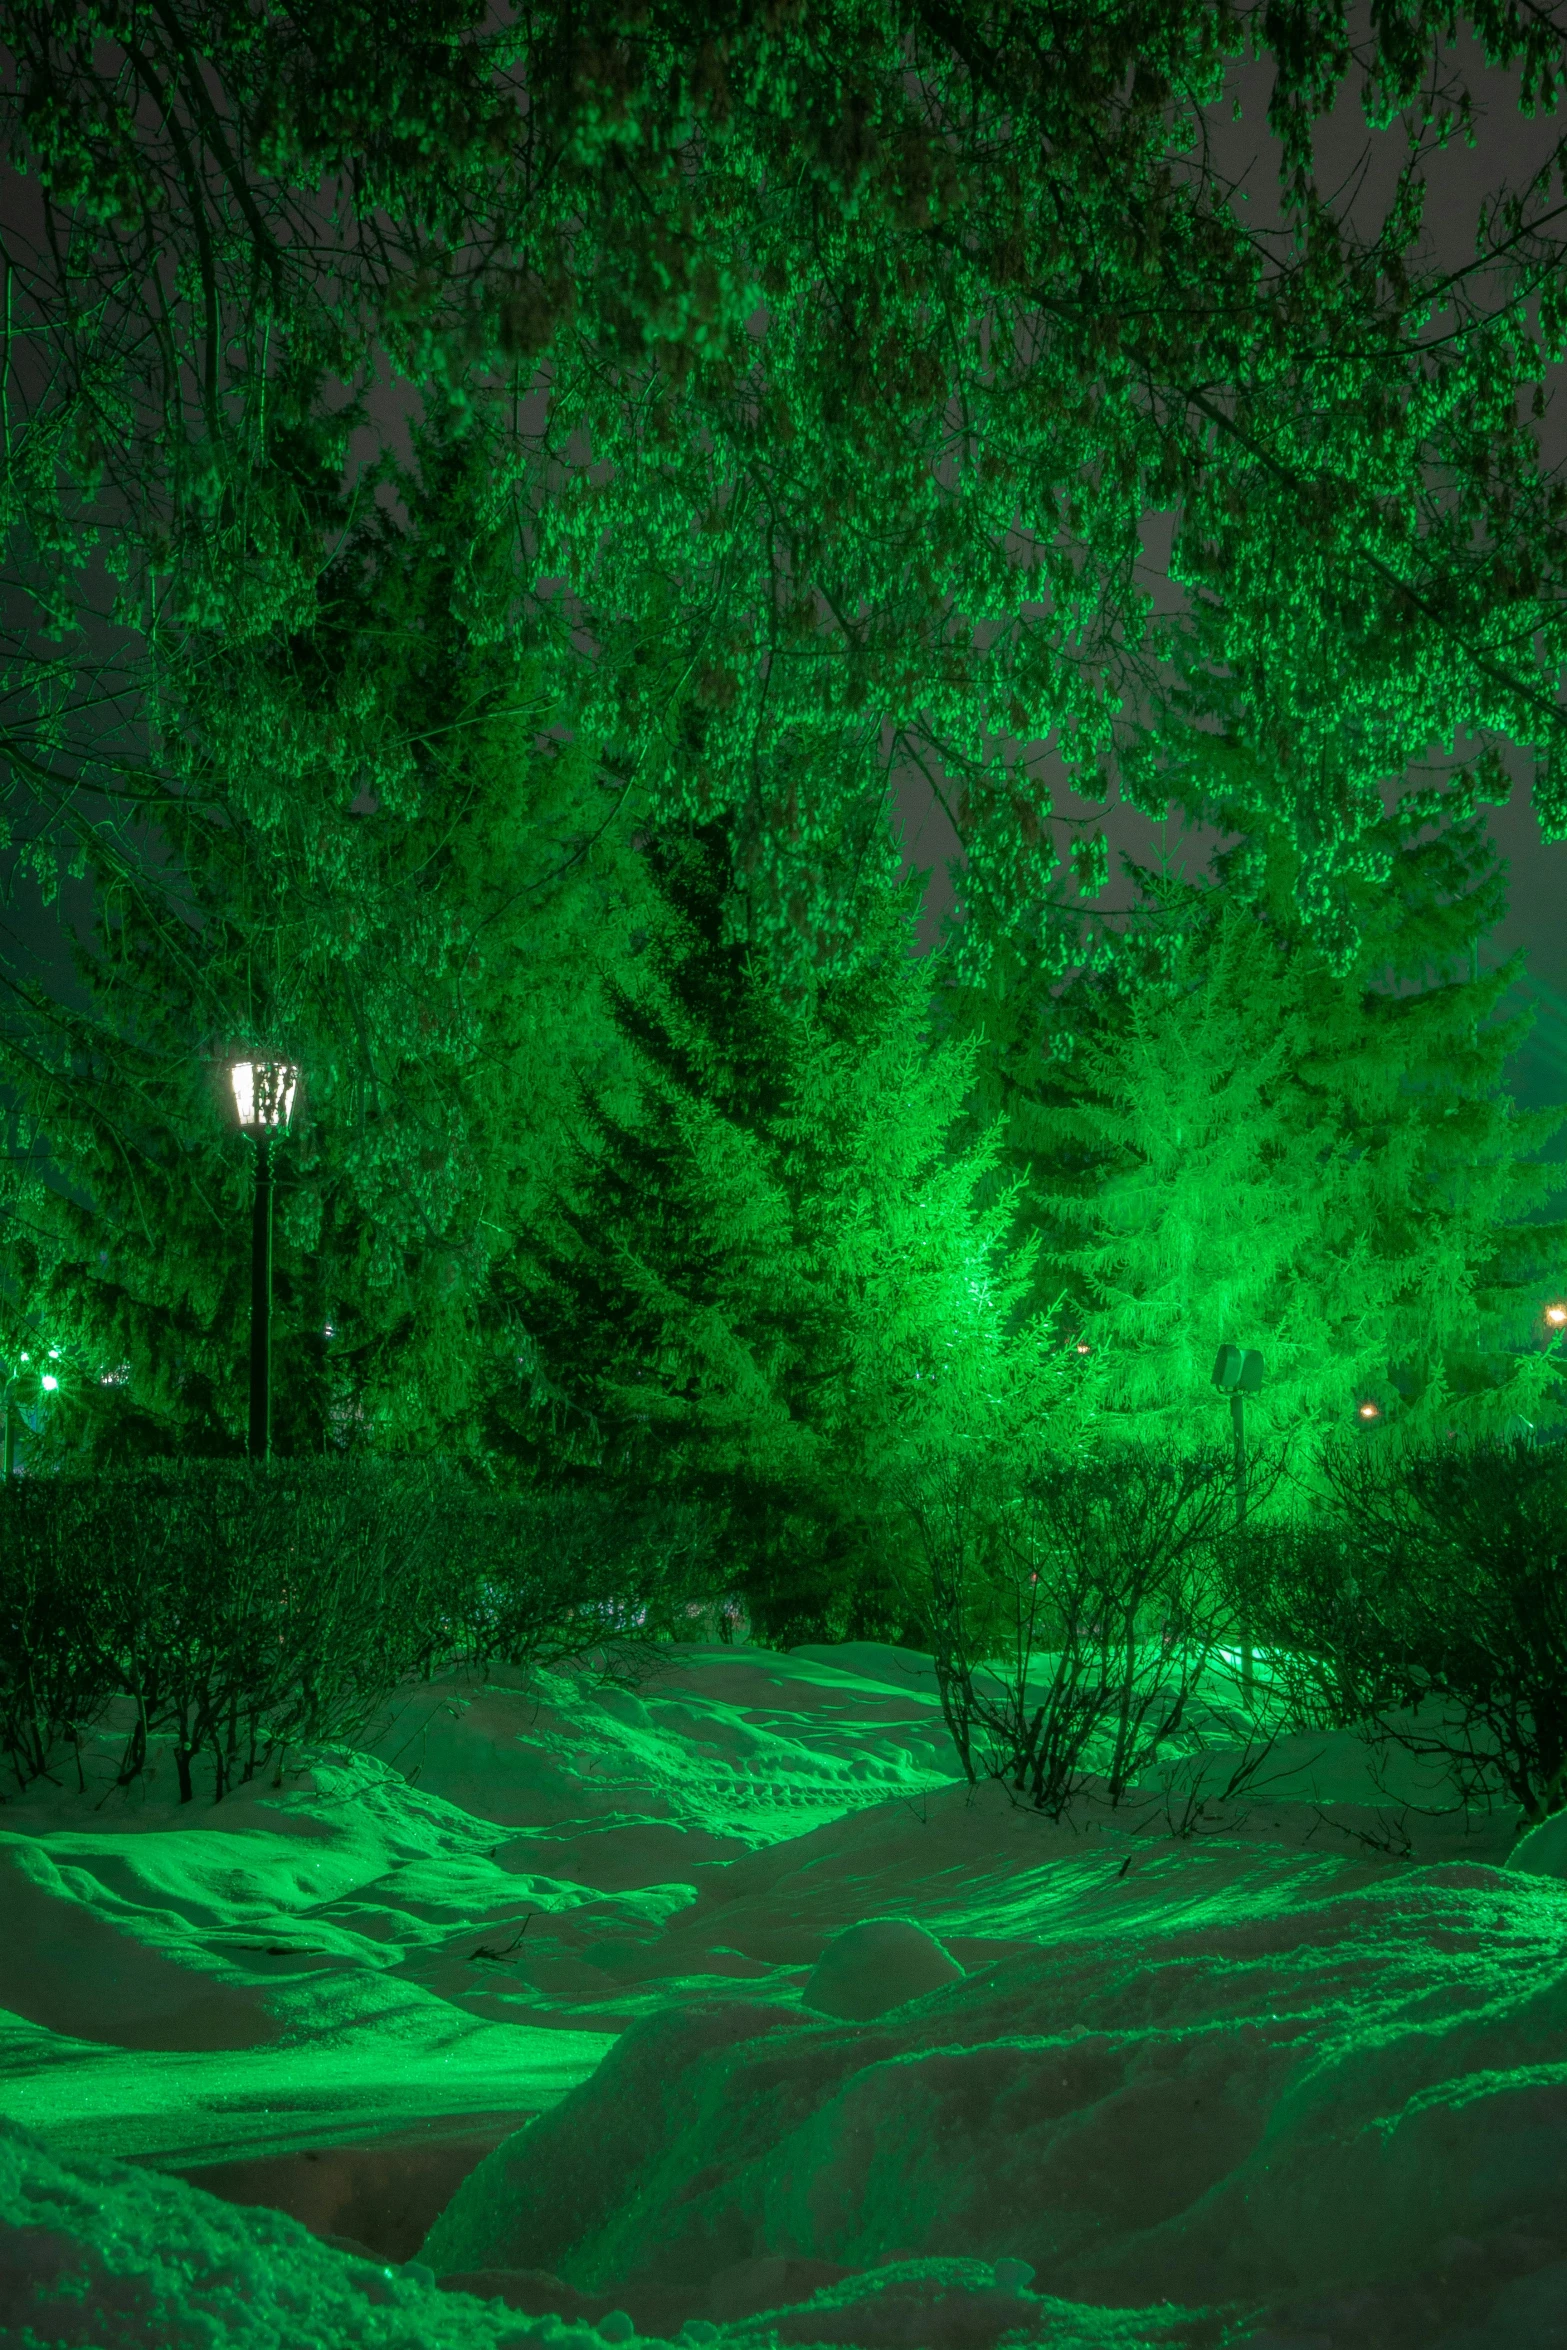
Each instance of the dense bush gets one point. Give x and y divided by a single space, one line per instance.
235 1608
245 1610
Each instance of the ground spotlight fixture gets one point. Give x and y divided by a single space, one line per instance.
264 1099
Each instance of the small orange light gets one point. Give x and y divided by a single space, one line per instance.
1083 1350
1556 1315
1368 1411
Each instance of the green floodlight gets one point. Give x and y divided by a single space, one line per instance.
1238 1373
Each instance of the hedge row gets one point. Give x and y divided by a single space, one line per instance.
248 1609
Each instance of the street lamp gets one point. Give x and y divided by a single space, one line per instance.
1240 1375
264 1097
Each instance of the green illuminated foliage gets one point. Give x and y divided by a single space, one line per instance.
841 355
430 958
771 1283
787 395
1224 1141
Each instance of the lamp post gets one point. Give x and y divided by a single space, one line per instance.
264 1097
1240 1375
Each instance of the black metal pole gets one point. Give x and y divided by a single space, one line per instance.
1238 1419
261 1305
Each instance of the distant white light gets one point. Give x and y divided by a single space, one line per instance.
49 1382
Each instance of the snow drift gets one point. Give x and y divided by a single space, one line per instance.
814 2038
1342 2098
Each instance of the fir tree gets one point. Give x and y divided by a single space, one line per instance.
395 869
771 1285
1227 1142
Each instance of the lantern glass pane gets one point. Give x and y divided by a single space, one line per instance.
264 1094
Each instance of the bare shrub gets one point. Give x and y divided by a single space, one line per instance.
241 1606
1467 1554
354 1552
1073 1609
1325 1617
53 1684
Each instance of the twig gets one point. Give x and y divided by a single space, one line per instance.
481 1952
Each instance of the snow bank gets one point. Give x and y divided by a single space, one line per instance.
1295 2079
457 1918
103 2256
109 2257
1283 2109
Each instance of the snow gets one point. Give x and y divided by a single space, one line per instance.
727 2003
878 1964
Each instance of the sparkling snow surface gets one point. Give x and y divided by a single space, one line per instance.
1281 2083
